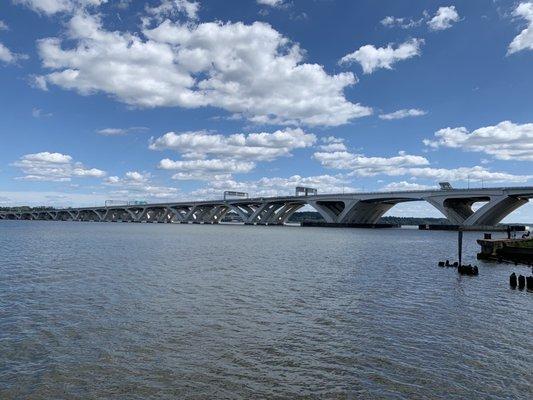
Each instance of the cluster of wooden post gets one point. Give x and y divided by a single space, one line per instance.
521 281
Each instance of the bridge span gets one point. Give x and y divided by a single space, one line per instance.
364 208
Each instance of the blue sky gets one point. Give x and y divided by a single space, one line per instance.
174 99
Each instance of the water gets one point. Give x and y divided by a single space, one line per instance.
145 311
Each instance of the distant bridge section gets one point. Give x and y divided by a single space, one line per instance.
365 208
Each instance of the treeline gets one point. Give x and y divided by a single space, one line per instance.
25 208
315 216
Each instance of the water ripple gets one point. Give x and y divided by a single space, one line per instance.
140 311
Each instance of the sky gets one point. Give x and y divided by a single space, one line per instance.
172 100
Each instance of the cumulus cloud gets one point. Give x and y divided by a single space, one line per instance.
408 165
331 144
372 58
205 169
248 70
3 26
404 113
404 185
172 8
276 186
130 178
8 57
524 40
256 146
504 141
137 185
232 154
55 167
271 3
362 165
444 18
50 7
475 173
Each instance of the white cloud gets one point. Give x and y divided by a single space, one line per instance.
48 198
120 131
524 40
443 19
205 169
403 23
403 185
331 144
255 146
55 167
504 141
50 7
134 178
475 173
172 8
146 193
362 165
3 26
276 186
39 113
251 70
271 3
409 165
137 185
8 57
372 58
404 113
47 157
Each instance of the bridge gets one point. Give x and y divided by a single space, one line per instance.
354 208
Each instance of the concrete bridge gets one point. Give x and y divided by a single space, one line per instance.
364 208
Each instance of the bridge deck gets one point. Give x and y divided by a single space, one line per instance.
358 207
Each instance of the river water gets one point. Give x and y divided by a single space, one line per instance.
146 311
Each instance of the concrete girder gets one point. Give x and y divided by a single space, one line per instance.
365 212
132 214
164 215
190 215
242 211
26 216
264 212
203 214
153 214
100 213
211 214
495 210
456 210
115 215
66 215
183 211
90 215
263 218
219 214
174 215
283 214
328 209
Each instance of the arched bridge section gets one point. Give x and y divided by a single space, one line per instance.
365 208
